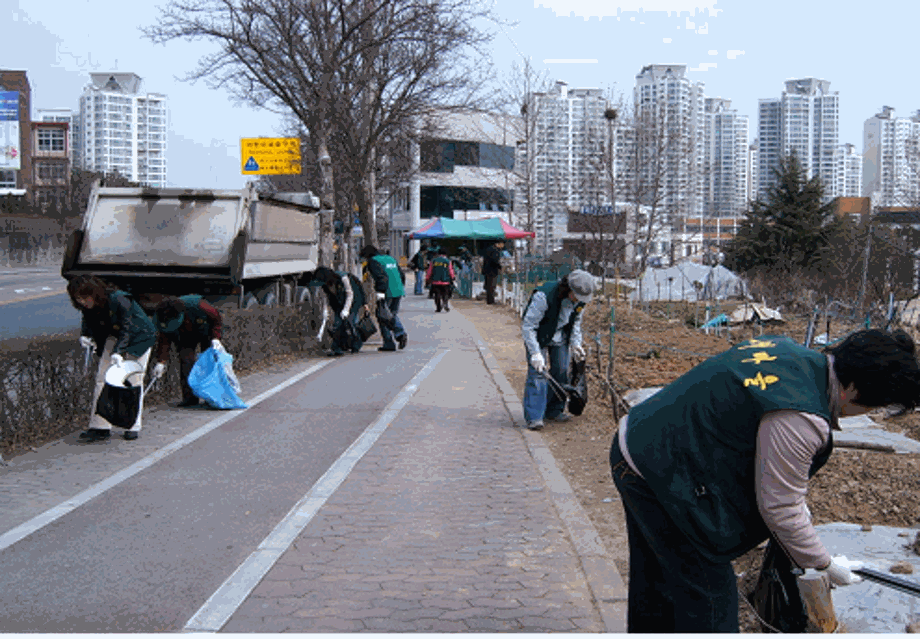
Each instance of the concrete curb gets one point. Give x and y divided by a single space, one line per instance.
604 580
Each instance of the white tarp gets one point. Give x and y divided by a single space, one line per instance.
754 312
690 282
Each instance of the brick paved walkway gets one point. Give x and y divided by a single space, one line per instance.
445 525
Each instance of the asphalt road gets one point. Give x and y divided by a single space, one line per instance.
33 301
145 555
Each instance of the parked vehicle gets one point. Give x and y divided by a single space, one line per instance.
236 248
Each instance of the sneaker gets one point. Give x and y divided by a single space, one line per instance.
561 418
536 424
94 434
130 434
387 348
403 340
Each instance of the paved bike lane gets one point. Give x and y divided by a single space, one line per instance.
446 524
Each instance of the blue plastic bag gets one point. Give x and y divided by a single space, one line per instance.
212 380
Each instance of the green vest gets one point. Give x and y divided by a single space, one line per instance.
440 271
201 324
695 441
394 281
136 332
547 326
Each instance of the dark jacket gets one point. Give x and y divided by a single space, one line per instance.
201 322
419 261
492 261
124 318
695 441
547 327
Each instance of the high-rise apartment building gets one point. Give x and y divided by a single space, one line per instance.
804 120
564 158
725 159
669 122
121 129
753 163
891 159
848 165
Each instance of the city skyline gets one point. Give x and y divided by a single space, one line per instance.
735 49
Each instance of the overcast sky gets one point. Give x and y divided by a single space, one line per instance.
742 50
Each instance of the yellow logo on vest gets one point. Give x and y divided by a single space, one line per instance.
757 343
760 357
761 381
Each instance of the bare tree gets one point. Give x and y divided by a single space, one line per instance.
353 74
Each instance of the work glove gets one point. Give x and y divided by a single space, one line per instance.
380 296
87 342
538 363
159 370
839 571
344 315
579 352
216 345
117 360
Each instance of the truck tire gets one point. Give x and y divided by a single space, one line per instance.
250 301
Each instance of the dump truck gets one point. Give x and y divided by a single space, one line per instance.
237 248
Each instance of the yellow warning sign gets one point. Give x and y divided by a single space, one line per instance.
270 156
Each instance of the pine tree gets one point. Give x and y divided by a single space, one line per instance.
789 230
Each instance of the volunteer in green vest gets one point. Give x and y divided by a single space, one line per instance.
440 277
119 330
189 322
718 461
389 284
551 328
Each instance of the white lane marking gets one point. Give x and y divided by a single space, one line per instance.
220 606
10 537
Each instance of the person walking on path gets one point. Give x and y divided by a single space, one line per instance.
551 328
119 330
440 277
189 322
719 461
346 298
491 267
419 265
389 285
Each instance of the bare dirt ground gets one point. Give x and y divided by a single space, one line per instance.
857 486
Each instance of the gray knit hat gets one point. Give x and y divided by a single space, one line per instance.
582 284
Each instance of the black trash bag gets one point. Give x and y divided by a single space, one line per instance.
385 315
577 389
119 405
365 326
346 336
776 595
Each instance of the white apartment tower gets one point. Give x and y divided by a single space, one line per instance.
121 129
848 165
891 159
725 159
804 120
565 158
671 106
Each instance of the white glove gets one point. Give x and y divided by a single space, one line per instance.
216 345
343 315
380 296
839 571
117 360
579 352
87 342
538 363
159 370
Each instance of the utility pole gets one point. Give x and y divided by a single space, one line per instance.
865 273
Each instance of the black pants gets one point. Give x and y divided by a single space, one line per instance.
490 287
441 294
187 352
